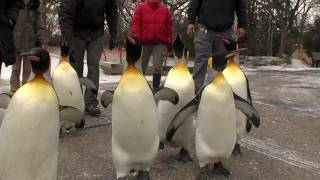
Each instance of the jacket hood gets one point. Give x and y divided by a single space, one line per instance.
154 5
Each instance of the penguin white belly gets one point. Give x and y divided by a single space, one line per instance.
216 124
184 86
238 83
29 135
135 139
67 86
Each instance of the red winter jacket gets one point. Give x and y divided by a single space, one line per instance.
152 22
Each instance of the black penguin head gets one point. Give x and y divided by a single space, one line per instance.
39 59
219 53
65 51
219 61
178 47
133 49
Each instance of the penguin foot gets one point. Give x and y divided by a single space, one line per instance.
80 125
143 175
218 169
236 150
184 156
204 174
161 145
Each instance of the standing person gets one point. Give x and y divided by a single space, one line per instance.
152 22
27 33
8 15
82 28
215 19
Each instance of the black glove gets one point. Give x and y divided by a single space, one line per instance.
232 45
112 42
8 21
38 44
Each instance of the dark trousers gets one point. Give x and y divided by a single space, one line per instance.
203 48
15 73
94 49
157 52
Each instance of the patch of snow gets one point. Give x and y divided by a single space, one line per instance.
277 152
298 63
260 102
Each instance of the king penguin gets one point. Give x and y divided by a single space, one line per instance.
216 120
67 86
29 132
135 138
240 85
180 80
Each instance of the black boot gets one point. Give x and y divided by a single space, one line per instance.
219 169
236 150
143 175
156 81
184 156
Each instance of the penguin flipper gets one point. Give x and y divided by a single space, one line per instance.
178 47
4 100
248 89
246 108
86 82
166 94
106 98
180 118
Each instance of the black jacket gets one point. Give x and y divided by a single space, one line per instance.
85 18
28 31
8 15
218 15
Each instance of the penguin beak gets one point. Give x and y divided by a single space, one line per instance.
235 52
131 40
31 55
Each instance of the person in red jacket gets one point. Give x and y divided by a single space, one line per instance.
152 22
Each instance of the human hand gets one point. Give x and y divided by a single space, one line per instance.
41 45
241 32
191 29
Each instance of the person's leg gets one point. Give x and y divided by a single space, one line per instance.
158 59
94 50
15 75
26 71
77 55
203 48
147 51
